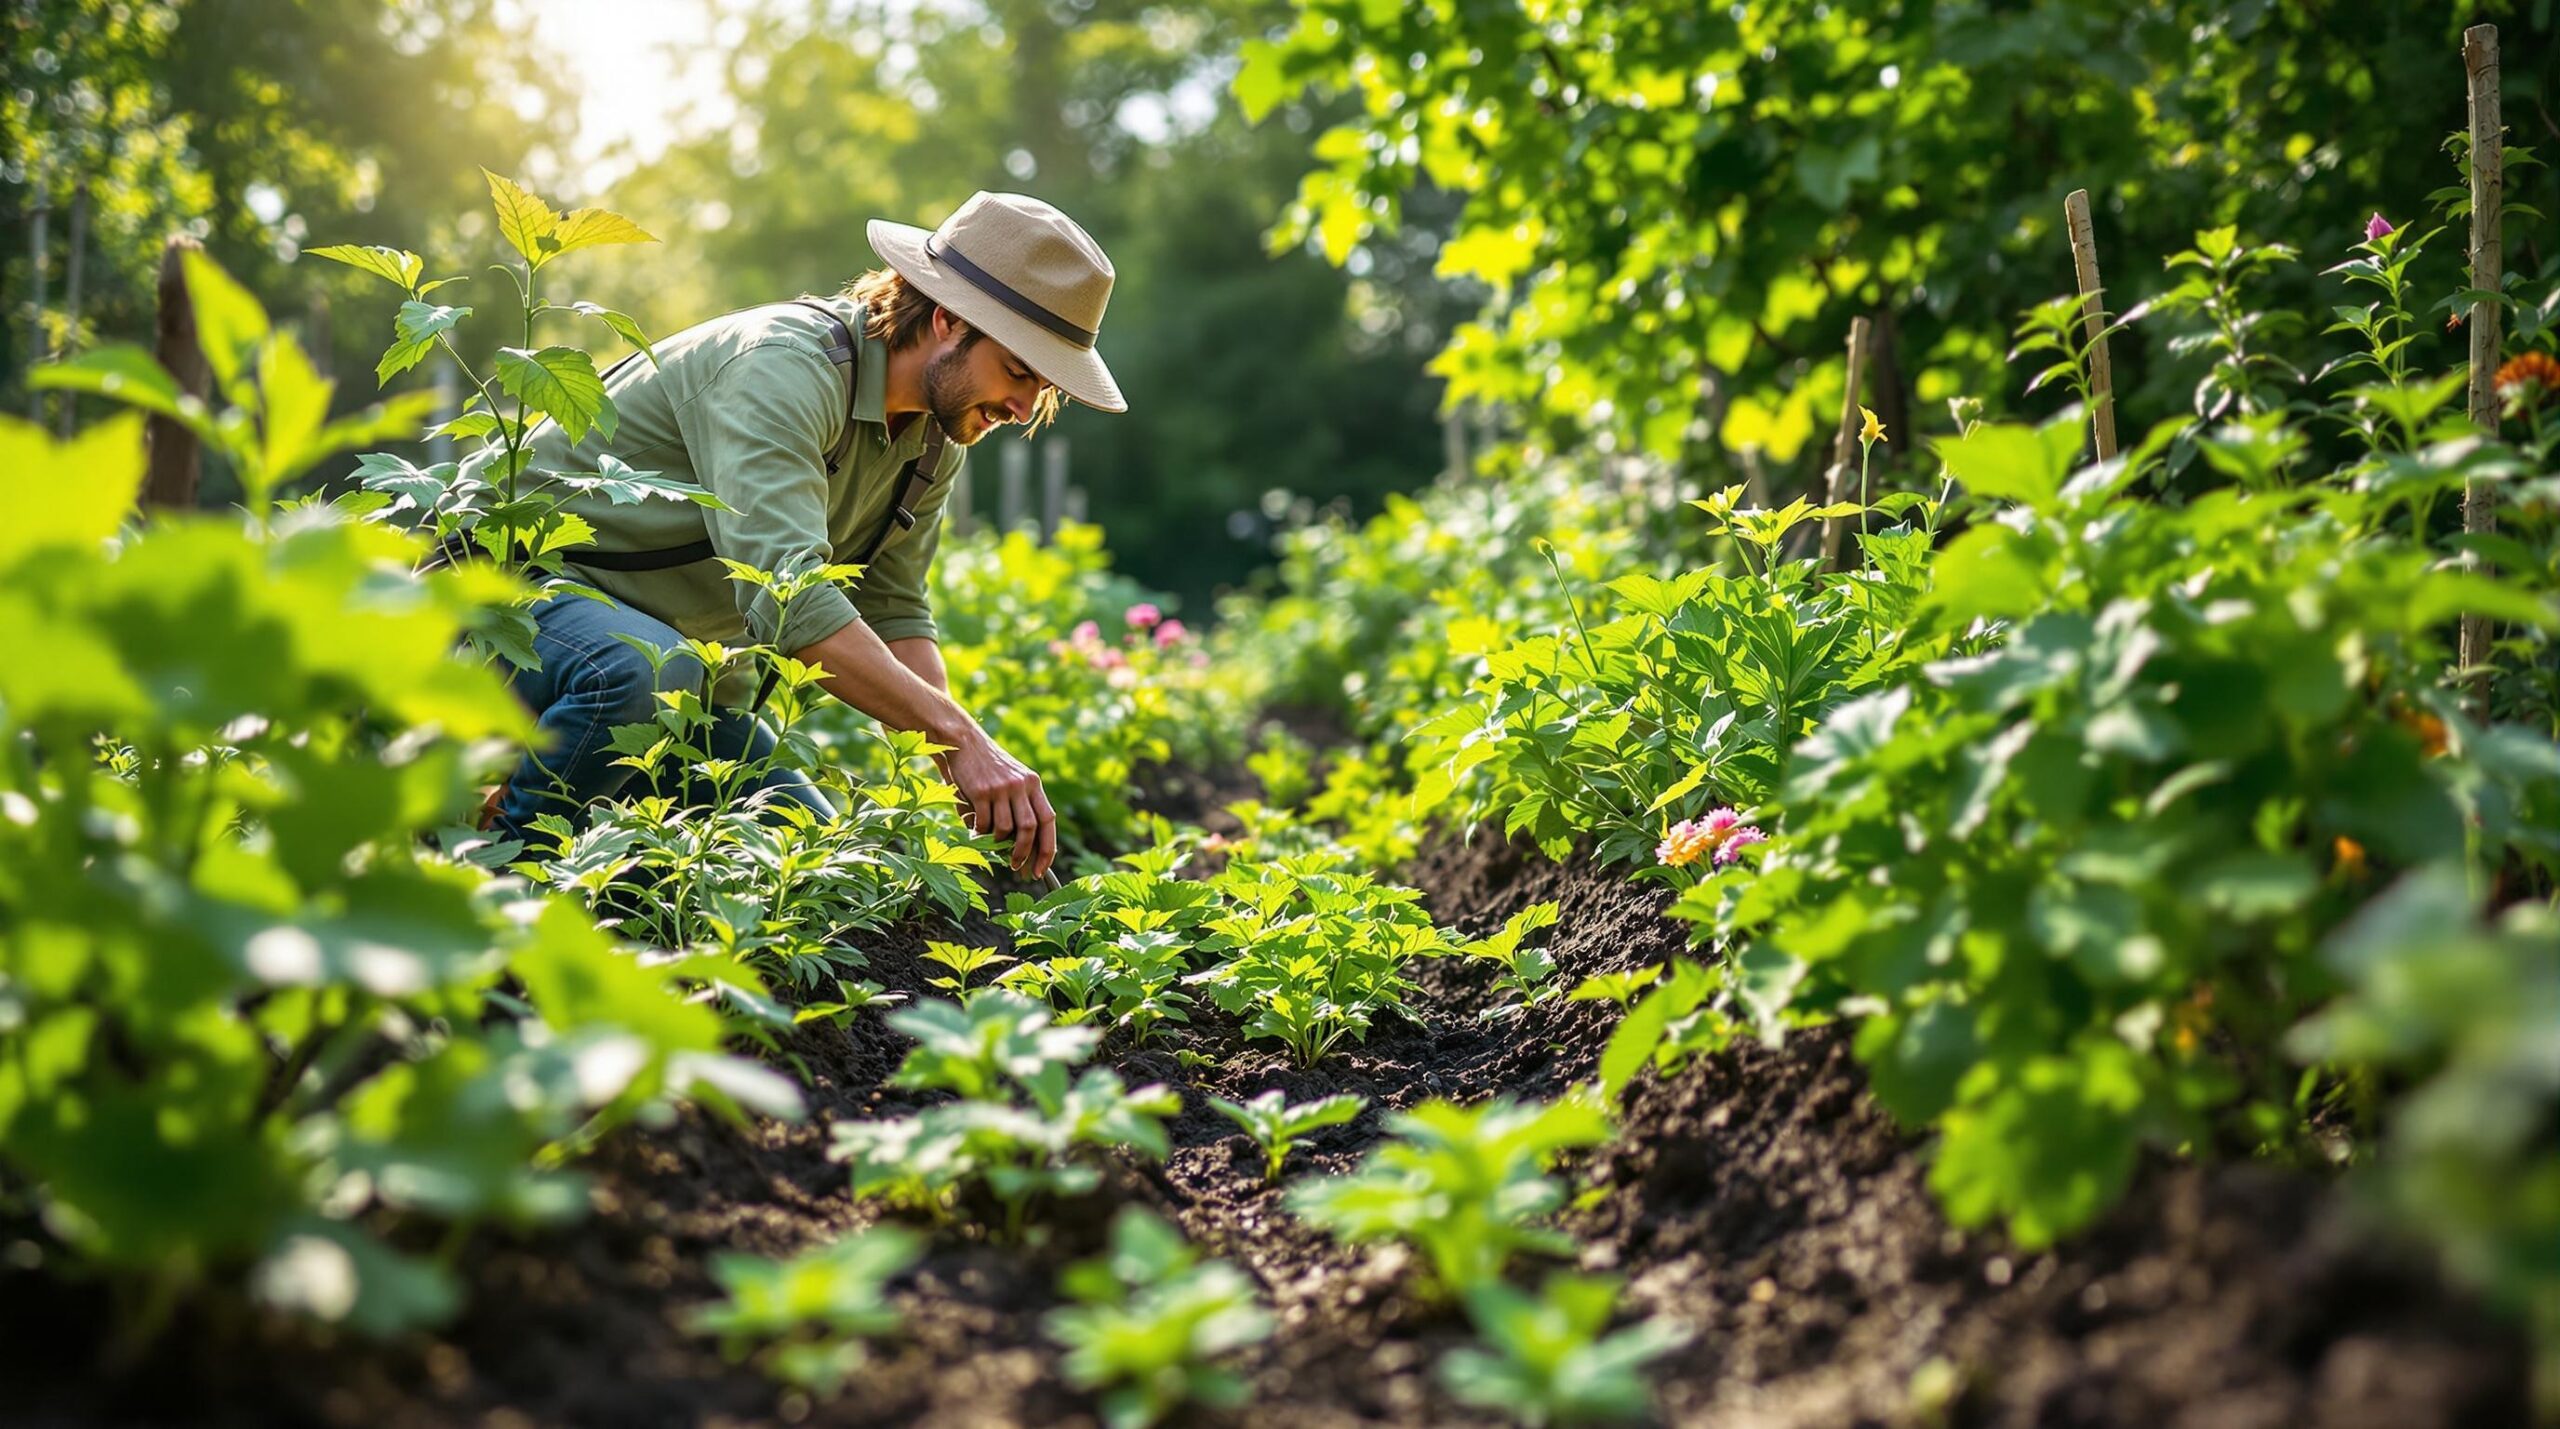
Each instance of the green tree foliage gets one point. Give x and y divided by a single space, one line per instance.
1678 208
175 121
1242 372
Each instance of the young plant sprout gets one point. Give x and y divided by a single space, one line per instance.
1276 1126
806 1318
1548 1360
1152 1321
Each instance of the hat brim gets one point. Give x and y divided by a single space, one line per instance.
1076 371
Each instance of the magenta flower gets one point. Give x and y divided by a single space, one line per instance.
2375 227
1719 822
1144 615
1170 633
1735 842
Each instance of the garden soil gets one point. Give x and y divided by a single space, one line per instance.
1759 1196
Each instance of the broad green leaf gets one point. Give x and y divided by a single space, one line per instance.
129 375
72 493
395 266
561 383
2008 462
527 223
297 404
229 323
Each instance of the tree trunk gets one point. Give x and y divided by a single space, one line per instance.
175 461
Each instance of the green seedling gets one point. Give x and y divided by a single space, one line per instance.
1525 969
1019 1124
1549 1361
964 962
851 997
1152 1322
1276 1126
805 1319
1460 1184
1618 987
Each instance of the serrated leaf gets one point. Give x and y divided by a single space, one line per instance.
392 265
418 326
561 383
622 324
593 228
526 222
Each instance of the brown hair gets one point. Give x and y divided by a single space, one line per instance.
898 313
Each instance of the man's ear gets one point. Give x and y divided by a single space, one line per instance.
947 324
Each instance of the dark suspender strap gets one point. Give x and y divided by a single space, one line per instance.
840 352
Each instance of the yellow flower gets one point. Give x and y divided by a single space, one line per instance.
1873 431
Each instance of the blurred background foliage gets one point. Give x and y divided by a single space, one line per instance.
1636 226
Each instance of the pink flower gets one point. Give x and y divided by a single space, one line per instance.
1086 633
1107 658
1735 842
2375 227
1719 822
1144 615
1122 678
1170 633
1199 659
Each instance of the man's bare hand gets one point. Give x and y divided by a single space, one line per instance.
1001 796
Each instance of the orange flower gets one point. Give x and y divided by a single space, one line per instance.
2526 380
2430 730
2351 863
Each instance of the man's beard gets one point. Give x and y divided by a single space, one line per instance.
947 400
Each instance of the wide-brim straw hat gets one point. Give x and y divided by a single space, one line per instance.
1024 274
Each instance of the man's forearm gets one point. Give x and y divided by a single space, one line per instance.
924 657
900 688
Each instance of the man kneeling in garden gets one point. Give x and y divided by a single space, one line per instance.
829 430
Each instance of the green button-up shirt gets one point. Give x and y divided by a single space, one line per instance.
746 407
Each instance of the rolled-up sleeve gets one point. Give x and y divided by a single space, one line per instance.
892 594
757 433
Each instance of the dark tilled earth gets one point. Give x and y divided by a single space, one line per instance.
1759 1196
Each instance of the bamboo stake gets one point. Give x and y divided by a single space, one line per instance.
1842 444
2102 377
2488 187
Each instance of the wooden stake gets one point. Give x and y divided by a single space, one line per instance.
2488 188
1844 443
171 480
2102 376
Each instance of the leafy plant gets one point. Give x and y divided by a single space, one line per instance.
1153 1320
965 962
1018 1124
1310 955
1550 1361
806 1317
1276 1125
1525 969
2468 1009
1460 1184
233 976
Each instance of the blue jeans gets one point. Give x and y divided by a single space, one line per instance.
590 682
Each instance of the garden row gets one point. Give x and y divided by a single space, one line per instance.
2117 807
